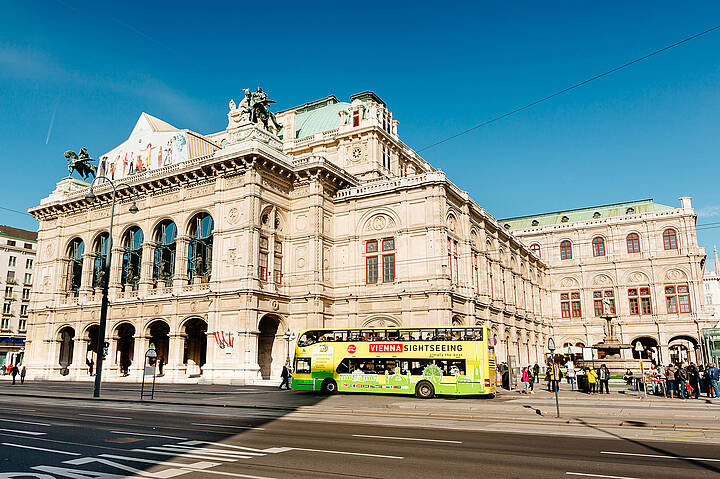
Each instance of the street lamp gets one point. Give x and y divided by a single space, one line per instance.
90 195
555 372
571 364
288 337
640 348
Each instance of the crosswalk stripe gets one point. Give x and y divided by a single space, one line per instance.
56 451
177 453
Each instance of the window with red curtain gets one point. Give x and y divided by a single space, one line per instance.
633 243
670 239
598 246
566 250
356 118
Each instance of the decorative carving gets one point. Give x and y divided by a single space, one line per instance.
301 223
49 250
275 305
602 280
452 223
637 277
80 162
569 283
233 216
675 275
379 222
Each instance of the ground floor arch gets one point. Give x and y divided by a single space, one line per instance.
649 347
66 338
91 341
267 344
158 334
195 349
124 347
684 349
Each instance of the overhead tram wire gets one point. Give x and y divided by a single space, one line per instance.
572 87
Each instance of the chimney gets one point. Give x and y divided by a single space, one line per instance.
686 202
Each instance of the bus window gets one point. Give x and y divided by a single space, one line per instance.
457 335
427 334
340 335
381 335
444 334
393 334
308 338
368 335
329 336
302 365
478 336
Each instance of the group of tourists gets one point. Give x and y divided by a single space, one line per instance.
13 370
684 382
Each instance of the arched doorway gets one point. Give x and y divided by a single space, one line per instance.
649 350
125 338
67 345
266 340
195 346
683 349
159 336
91 338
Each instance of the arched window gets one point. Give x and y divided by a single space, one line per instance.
164 258
598 246
633 243
566 250
200 250
132 258
670 239
100 251
535 248
75 251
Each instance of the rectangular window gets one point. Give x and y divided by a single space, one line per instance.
575 302
639 301
11 243
356 118
570 305
598 304
26 293
6 308
388 244
28 278
371 269
12 260
23 310
22 326
8 291
10 277
263 259
277 263
27 246
565 304
371 246
28 263
5 324
453 260
388 268
677 298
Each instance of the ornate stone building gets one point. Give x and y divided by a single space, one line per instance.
641 255
242 235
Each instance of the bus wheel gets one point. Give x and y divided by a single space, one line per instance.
424 390
329 386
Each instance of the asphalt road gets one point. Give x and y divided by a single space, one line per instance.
111 441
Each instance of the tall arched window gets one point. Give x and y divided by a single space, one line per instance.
670 239
75 251
566 250
598 246
132 258
633 243
535 248
100 251
164 260
200 250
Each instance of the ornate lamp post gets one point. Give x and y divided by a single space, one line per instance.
288 337
555 372
640 348
106 279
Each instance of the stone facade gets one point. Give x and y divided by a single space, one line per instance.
711 292
17 257
333 222
642 255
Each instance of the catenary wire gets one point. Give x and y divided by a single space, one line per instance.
572 87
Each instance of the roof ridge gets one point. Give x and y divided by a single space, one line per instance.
622 203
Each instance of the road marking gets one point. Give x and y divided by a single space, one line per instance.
232 427
23 410
598 475
177 453
41 449
26 422
194 467
271 450
346 453
407 438
215 451
106 417
181 450
29 433
660 456
149 435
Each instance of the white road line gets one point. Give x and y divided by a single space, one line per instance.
660 456
23 410
29 433
346 453
598 475
194 467
180 454
26 422
407 438
41 449
106 417
200 452
149 435
232 427
271 450
209 450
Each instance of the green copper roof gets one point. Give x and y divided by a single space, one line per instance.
583 214
315 120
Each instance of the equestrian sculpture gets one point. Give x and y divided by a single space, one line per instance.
80 162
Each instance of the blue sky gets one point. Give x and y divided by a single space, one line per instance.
76 73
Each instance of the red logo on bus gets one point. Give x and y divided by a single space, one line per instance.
351 349
386 348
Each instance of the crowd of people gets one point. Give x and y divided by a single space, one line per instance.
13 370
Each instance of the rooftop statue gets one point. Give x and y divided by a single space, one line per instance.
80 162
257 107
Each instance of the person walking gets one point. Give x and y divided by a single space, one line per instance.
525 379
571 375
694 379
536 373
681 378
555 377
285 377
714 376
531 377
592 380
14 372
23 372
604 379
670 377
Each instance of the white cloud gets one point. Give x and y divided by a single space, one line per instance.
709 211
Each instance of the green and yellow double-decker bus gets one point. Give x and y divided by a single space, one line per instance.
422 361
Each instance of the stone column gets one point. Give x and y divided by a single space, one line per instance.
180 276
175 366
87 273
146 265
116 270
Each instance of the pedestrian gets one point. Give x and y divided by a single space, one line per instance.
670 377
90 364
531 377
536 372
681 380
592 380
555 377
548 377
14 372
714 376
604 379
694 379
525 379
571 375
23 372
285 377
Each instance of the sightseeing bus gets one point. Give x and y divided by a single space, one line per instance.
422 361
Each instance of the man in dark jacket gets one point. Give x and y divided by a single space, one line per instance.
14 372
714 376
604 379
694 379
536 372
285 377
681 378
